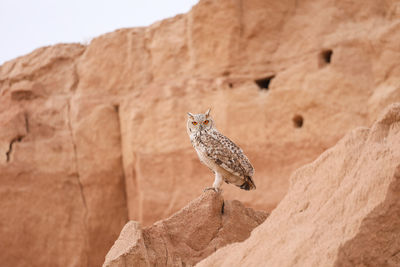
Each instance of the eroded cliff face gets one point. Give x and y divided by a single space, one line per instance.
92 136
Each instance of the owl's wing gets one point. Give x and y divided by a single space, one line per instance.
227 154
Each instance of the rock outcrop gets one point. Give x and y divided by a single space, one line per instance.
341 210
190 235
93 136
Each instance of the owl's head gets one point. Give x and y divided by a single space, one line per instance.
199 122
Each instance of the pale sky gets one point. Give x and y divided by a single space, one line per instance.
28 24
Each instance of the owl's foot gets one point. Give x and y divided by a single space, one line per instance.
217 184
217 190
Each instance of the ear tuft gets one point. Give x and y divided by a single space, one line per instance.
190 115
208 112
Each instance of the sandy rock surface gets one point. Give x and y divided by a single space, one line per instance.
203 226
343 209
92 136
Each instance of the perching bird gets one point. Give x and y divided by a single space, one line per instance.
219 153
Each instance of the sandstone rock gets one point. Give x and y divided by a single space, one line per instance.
58 199
193 233
341 210
97 140
93 136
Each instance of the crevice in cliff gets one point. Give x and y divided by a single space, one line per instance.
221 226
18 138
10 148
80 185
72 89
26 123
124 181
76 159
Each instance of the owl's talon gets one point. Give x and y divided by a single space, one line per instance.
208 188
216 190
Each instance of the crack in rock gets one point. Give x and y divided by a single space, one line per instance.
18 138
10 148
78 178
76 157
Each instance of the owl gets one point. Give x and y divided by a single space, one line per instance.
219 153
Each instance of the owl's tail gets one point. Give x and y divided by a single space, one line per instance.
248 184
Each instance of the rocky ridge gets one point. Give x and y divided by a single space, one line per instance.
190 235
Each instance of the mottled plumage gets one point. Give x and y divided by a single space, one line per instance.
219 153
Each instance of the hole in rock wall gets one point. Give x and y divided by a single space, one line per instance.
326 56
298 121
264 83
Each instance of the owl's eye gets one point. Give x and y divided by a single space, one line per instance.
206 122
194 123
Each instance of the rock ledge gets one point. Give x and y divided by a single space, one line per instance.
190 235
